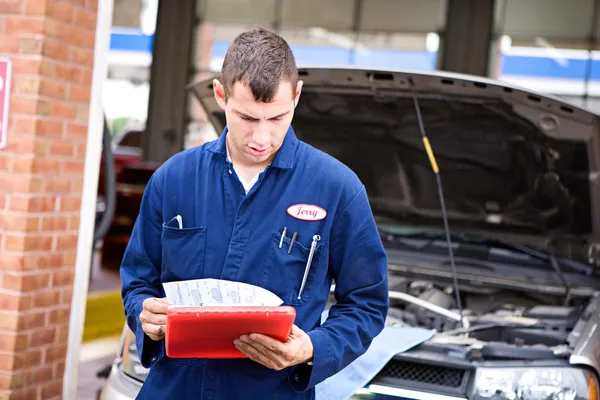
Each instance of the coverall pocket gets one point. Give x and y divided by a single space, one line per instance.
283 272
182 253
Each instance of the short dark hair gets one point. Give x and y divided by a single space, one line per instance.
259 59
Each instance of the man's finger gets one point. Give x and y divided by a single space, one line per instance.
151 329
157 307
254 355
273 345
155 319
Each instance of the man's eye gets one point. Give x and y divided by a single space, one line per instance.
248 118
276 119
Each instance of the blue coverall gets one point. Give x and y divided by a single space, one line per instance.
228 234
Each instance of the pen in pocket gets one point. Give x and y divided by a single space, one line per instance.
282 236
313 245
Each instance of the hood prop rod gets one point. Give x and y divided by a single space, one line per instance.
436 172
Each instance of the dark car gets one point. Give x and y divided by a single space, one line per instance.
519 172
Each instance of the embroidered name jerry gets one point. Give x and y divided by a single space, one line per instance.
228 234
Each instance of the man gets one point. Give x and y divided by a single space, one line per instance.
251 207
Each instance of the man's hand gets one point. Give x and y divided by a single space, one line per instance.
274 354
154 317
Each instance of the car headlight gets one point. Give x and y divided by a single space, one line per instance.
537 383
130 363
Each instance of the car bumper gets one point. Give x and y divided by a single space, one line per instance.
119 387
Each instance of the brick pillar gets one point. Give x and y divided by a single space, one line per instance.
51 45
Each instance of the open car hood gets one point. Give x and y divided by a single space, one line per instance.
517 165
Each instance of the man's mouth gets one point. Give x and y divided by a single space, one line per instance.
257 152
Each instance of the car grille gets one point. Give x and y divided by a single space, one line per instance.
423 373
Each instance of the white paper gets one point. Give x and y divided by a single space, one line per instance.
201 292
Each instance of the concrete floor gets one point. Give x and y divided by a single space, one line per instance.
89 384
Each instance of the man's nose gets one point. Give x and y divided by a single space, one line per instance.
261 135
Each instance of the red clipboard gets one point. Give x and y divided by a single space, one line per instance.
209 331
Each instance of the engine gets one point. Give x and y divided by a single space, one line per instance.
506 317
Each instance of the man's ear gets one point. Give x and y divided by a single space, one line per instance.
219 92
298 91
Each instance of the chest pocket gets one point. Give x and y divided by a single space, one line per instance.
283 272
182 253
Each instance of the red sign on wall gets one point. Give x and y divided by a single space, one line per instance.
5 76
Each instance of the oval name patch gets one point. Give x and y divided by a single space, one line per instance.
307 212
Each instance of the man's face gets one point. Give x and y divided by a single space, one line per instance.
256 130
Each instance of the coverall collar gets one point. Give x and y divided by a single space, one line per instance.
284 158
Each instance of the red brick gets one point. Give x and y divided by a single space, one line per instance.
30 242
24 25
74 222
70 204
66 296
13 183
57 352
11 381
66 242
32 321
46 298
2 201
9 321
77 186
27 84
26 283
25 65
39 375
32 203
55 50
52 389
35 7
22 165
47 68
60 316
69 258
11 6
8 44
86 38
19 105
49 261
11 261
29 45
85 19
58 185
42 337
14 302
60 10
55 223
73 167
52 88
5 162
63 334
63 278
91 4
63 148
79 93
27 359
49 128
24 125
87 76
82 56
64 109
28 393
77 131
20 144
68 72
13 341
46 166
21 223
